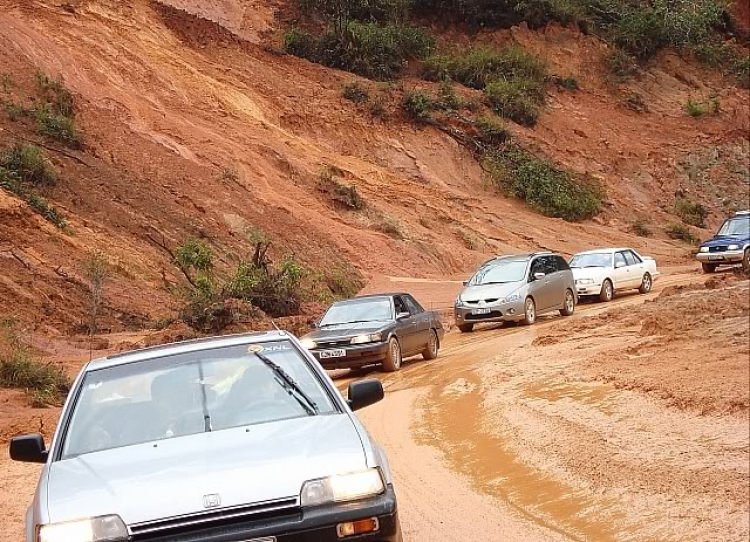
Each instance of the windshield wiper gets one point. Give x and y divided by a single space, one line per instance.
291 387
495 282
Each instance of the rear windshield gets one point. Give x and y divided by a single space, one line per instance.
500 271
736 227
184 394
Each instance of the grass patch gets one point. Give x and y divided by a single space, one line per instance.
418 104
371 50
503 13
620 66
339 192
45 384
491 131
354 92
518 99
545 188
29 163
690 212
681 233
694 108
55 115
386 224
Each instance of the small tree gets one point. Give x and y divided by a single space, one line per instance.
97 270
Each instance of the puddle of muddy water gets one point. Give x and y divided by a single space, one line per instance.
598 396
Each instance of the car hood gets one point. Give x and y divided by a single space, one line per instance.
724 240
595 273
243 465
345 330
490 291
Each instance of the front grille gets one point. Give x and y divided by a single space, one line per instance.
182 527
334 343
487 301
717 249
491 314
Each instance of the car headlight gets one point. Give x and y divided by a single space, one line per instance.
368 338
584 281
733 247
99 529
704 249
309 344
459 302
342 487
512 297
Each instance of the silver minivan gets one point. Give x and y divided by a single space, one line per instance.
241 438
516 289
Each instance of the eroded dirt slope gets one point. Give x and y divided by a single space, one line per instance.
170 99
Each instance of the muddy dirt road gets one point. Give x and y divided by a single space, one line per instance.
604 427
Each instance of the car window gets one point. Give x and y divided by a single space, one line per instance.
550 264
632 255
365 309
630 258
562 265
619 259
591 259
537 266
186 394
400 305
413 306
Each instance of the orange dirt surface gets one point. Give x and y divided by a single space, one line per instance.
171 94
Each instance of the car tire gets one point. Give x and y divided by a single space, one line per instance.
433 345
392 361
746 261
608 291
466 328
570 304
646 284
708 267
529 311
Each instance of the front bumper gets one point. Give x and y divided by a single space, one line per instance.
588 289
500 312
728 256
310 525
354 355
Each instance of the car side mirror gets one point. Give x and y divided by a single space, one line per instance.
618 265
28 448
402 315
539 276
465 283
364 393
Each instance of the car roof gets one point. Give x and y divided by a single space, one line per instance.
183 347
607 250
371 296
520 257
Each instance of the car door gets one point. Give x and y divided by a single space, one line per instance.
422 322
406 326
635 269
620 273
540 289
566 280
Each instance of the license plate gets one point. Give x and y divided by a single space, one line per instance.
716 257
340 353
481 311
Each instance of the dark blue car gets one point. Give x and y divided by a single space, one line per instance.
730 245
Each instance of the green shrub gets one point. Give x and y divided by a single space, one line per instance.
741 68
196 255
491 131
45 384
568 83
15 111
418 104
360 10
55 95
681 233
448 98
29 163
518 99
56 126
641 228
620 65
503 13
695 109
300 43
544 187
690 212
355 92
11 181
343 194
478 66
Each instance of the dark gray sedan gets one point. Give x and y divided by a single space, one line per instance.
372 329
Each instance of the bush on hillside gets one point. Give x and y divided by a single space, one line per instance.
491 131
690 212
418 104
681 233
545 188
29 163
55 115
517 99
360 10
620 65
504 13
694 108
354 92
344 195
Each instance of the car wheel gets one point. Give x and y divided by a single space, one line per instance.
608 291
466 328
392 361
570 304
529 316
646 284
431 351
746 261
708 267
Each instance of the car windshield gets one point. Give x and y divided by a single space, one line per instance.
196 392
500 271
377 309
736 227
597 259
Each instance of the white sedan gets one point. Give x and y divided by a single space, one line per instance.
604 271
